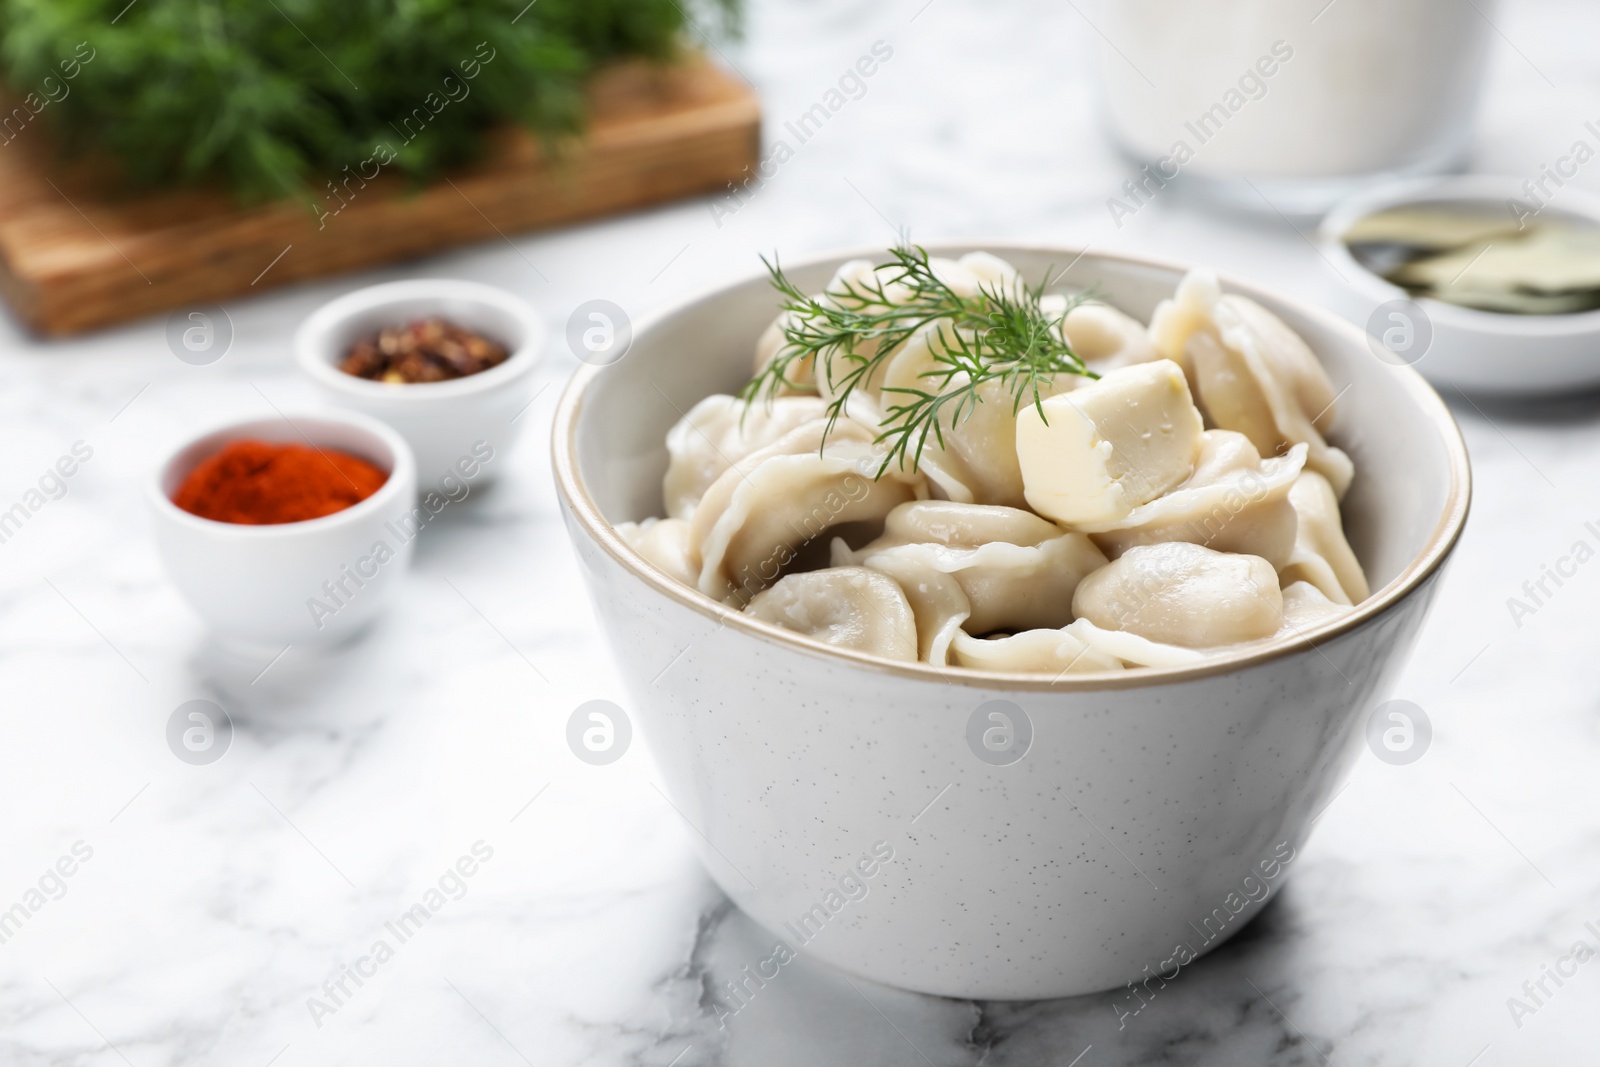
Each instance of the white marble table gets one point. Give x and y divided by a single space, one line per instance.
216 900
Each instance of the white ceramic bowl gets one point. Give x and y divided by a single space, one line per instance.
449 424
1149 803
259 585
1472 350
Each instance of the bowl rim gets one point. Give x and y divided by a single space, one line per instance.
315 357
1446 532
1465 188
402 471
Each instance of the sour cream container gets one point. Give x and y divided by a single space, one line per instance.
1289 105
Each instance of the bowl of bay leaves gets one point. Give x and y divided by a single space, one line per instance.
1483 283
979 831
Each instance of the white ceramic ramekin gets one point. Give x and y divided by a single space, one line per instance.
1151 804
444 422
309 583
1477 351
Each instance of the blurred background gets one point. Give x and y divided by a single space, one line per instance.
217 902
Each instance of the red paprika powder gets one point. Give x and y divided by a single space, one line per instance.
259 483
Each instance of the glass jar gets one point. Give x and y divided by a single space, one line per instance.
1290 105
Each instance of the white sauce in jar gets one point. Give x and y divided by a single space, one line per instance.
1291 90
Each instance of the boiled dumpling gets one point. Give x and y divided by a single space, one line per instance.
857 284
947 522
1233 502
1017 570
760 511
1100 335
717 433
982 274
666 544
854 282
1290 359
1304 606
851 607
1199 306
1094 454
916 366
1183 594
973 275
1251 372
800 375
1321 554
938 603
1130 648
1054 652
976 460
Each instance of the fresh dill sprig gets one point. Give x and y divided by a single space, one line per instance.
999 335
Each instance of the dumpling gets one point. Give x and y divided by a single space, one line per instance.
1183 594
851 607
1094 454
1290 359
981 274
909 368
947 522
760 511
666 544
1017 570
1304 606
800 376
1054 652
854 285
974 274
1131 649
976 463
1251 372
851 283
1321 554
717 433
938 603
857 282
1233 502
974 460
1199 306
1100 335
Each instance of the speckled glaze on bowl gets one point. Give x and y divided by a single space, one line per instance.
1154 812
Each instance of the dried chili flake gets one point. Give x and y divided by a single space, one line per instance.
427 350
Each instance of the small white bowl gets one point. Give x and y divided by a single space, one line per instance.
262 585
1154 808
452 425
1471 350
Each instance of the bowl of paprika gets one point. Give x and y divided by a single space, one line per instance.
287 531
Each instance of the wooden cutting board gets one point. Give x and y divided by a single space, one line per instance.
75 255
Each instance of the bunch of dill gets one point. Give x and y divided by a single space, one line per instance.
271 98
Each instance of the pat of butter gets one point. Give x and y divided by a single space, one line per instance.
1105 448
